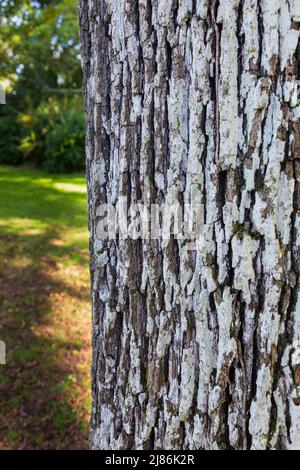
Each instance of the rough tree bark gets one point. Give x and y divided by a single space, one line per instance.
196 100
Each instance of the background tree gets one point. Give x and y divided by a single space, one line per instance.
196 101
42 122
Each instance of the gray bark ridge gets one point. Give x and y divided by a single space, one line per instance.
195 101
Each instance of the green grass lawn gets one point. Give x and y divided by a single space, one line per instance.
44 310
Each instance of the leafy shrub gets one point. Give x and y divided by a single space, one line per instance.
51 137
10 137
64 143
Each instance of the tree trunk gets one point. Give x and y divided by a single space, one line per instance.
195 102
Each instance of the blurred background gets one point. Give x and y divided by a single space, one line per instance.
44 279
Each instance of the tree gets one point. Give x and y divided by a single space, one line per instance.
195 102
40 70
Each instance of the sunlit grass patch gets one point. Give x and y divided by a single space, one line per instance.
68 187
44 310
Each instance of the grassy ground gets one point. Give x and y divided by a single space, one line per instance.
44 311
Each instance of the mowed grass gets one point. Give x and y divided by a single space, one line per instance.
44 310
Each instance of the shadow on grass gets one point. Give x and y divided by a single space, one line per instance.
41 403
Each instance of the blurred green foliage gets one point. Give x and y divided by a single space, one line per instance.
42 122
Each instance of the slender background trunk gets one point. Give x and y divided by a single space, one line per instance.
196 101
